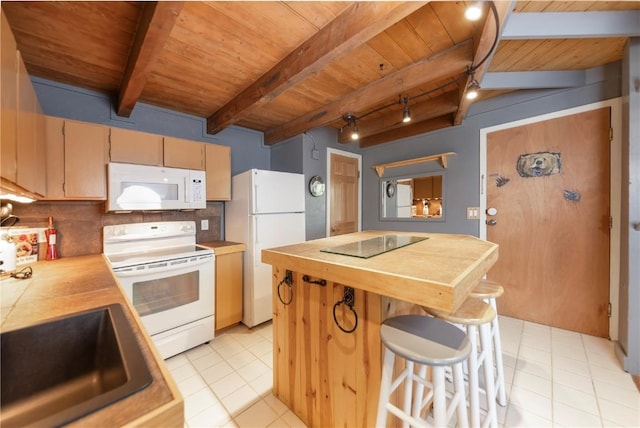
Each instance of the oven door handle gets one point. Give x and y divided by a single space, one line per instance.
159 269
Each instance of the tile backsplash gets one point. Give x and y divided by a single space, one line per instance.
79 224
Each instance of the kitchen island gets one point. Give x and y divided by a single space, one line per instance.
326 373
75 284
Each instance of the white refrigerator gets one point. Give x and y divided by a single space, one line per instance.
266 210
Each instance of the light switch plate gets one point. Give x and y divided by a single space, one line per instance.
204 224
473 213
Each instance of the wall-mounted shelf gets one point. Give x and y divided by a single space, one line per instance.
442 158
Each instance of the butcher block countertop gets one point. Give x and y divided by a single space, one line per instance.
74 284
224 247
438 272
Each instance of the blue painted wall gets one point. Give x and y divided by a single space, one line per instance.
461 185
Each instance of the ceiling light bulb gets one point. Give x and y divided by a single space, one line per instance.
474 11
472 90
406 116
354 133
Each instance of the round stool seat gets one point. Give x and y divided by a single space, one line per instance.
471 312
425 340
487 289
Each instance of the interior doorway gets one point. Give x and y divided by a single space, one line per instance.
548 194
344 184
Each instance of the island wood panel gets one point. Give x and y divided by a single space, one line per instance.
326 376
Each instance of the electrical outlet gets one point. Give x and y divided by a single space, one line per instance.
473 213
204 224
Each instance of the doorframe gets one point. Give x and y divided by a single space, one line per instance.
615 104
328 199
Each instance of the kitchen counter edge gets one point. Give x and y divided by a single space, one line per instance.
74 284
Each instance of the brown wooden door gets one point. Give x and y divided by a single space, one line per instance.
344 195
549 182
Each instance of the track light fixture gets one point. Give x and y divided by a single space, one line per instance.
406 115
352 121
474 11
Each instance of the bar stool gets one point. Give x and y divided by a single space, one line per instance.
489 291
428 342
475 316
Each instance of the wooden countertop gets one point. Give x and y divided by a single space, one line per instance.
438 272
74 284
224 247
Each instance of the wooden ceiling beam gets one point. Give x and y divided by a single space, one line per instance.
408 131
442 65
156 22
483 48
356 25
427 109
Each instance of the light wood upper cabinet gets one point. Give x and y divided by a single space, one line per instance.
129 146
77 156
23 150
8 101
218 169
180 153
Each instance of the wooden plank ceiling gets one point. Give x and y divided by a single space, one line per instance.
286 67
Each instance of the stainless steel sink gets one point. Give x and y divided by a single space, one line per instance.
65 368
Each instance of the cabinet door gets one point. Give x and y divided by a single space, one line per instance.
179 153
25 130
41 152
218 169
423 188
437 186
85 159
228 290
55 156
8 101
135 147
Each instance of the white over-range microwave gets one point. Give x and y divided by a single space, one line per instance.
152 188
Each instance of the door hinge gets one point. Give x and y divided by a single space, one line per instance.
63 127
609 310
610 222
610 134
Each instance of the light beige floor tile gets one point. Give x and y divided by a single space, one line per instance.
267 359
176 361
183 372
253 370
274 402
198 403
216 372
207 361
241 359
198 352
191 385
261 347
292 420
533 383
573 380
619 414
522 418
571 365
256 416
534 403
240 400
229 350
574 398
612 392
569 350
263 384
227 385
535 355
535 368
566 416
211 417
616 376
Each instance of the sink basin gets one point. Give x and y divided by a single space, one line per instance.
65 368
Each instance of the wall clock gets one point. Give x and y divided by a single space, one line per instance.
391 189
316 186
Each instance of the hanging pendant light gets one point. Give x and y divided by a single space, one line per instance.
354 131
474 11
472 90
406 115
